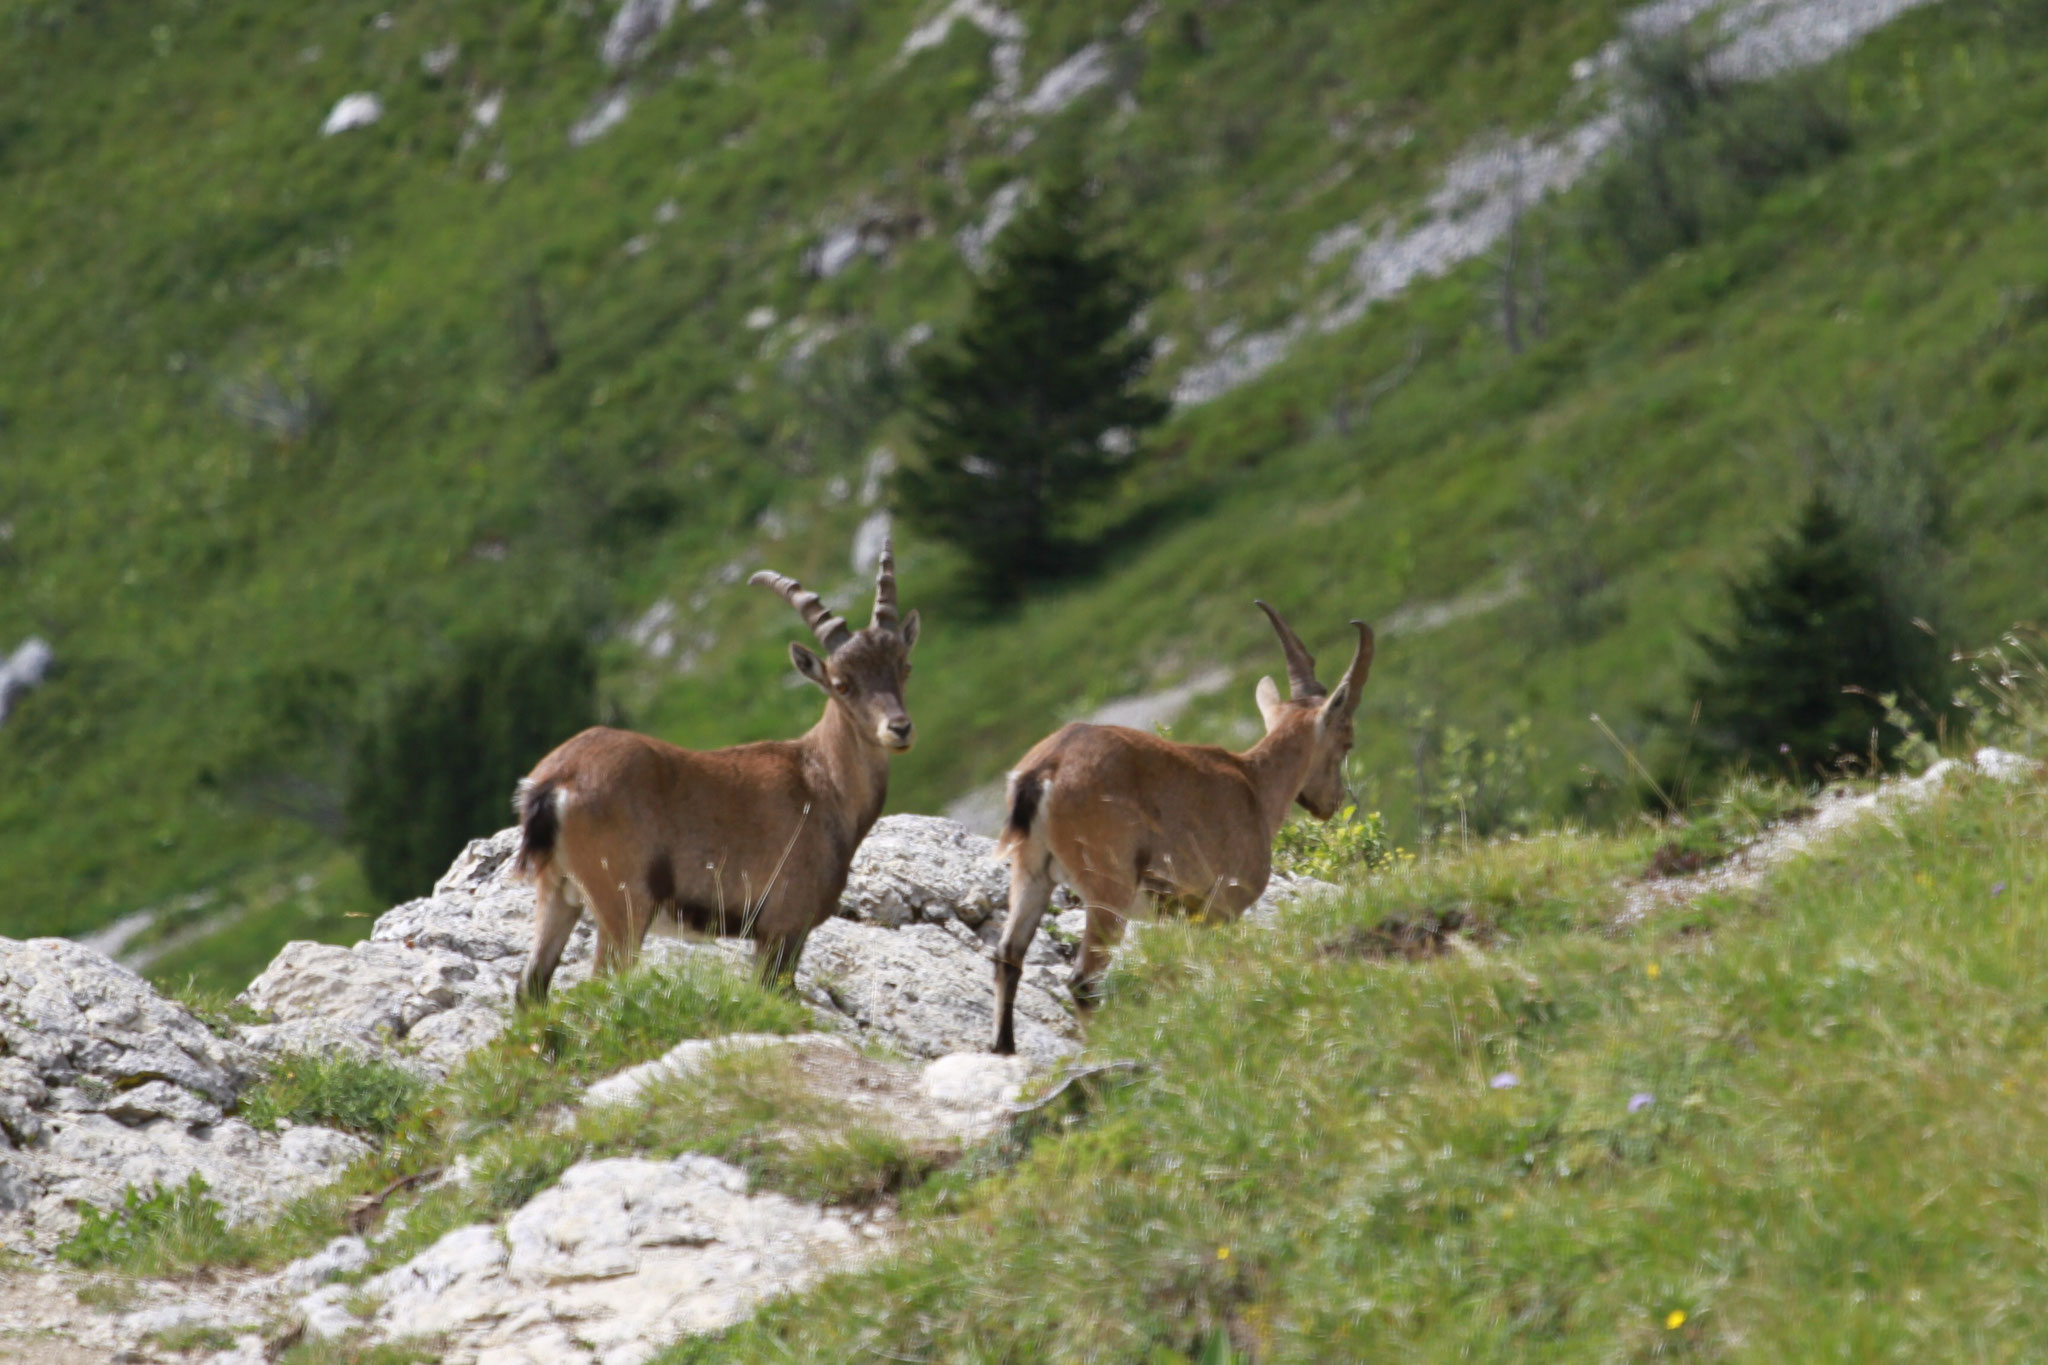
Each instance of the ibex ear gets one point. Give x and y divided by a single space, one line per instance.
810 665
909 631
1336 707
1268 697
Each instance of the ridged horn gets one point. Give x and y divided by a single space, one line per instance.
1361 663
830 630
885 587
1301 665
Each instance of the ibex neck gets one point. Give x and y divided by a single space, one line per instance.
1278 765
852 767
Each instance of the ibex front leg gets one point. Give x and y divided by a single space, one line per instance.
1030 893
775 959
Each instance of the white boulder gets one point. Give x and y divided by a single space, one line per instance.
359 110
24 670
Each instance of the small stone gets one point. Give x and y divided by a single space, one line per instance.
359 110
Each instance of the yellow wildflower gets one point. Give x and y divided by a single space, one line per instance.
1674 1320
1654 971
1222 1253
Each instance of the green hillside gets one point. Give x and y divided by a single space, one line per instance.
282 415
1794 1124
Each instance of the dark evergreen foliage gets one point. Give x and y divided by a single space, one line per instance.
1015 413
1814 622
437 768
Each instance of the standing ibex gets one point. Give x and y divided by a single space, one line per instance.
1122 816
754 840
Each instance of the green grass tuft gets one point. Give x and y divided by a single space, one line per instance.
356 1094
154 1234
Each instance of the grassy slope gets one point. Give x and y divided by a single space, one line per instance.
175 230
175 226
1839 1161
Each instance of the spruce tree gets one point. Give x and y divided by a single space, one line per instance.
1016 415
1814 622
437 767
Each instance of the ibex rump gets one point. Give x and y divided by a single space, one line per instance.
1126 818
753 840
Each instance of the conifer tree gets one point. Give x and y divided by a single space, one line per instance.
437 767
1020 417
1814 622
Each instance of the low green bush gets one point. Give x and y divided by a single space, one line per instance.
355 1094
151 1233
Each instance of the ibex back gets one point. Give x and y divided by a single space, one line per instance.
1128 819
754 840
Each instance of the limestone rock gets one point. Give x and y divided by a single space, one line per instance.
104 1085
923 868
359 110
338 1257
84 1025
24 670
624 1087
619 1256
928 988
637 23
434 979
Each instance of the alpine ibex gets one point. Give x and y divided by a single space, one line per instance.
1126 818
754 840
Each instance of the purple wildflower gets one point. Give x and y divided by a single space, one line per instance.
1507 1080
1998 890
1640 1101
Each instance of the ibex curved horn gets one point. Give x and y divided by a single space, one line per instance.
885 587
1301 665
1361 663
830 630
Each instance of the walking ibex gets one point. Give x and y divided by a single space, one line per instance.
1124 817
755 840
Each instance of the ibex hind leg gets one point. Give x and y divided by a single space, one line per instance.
1030 892
1105 930
555 912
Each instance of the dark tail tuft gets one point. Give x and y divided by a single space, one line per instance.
538 824
1026 790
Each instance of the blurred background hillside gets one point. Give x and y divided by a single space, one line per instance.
355 360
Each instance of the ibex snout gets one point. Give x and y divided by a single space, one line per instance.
898 733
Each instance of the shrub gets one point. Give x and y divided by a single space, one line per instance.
1349 844
1814 640
169 1227
356 1094
437 767
1470 787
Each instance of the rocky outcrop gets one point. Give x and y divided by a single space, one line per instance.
927 989
23 671
636 24
1837 809
433 981
104 1084
616 1259
907 960
350 112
